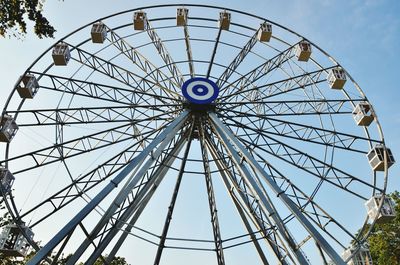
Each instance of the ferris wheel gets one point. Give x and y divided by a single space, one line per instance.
193 133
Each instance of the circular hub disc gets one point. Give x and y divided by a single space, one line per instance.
199 90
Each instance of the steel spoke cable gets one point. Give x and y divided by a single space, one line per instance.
302 133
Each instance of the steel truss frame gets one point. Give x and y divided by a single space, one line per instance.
140 109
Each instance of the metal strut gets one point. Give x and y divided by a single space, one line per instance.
120 200
251 207
167 58
70 226
213 53
231 142
211 198
189 50
171 207
158 176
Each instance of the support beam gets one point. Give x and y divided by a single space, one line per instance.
168 85
232 143
211 197
70 226
158 176
171 206
189 50
138 203
231 68
251 205
165 55
131 183
210 65
224 172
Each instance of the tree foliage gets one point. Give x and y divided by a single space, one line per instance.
15 13
384 241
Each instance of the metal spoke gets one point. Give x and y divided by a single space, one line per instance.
163 52
77 146
86 182
250 205
171 206
95 90
276 88
170 130
225 134
86 115
158 176
300 107
189 50
255 187
260 124
211 197
136 176
210 65
251 77
237 61
138 201
116 72
170 87
308 163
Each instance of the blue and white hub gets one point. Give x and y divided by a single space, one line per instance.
200 90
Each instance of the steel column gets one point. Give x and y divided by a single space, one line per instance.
225 134
158 176
211 198
130 184
171 206
249 208
170 130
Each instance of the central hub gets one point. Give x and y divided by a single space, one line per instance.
200 91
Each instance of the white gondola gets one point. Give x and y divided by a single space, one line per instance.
181 16
362 256
27 86
8 128
224 20
140 20
6 180
376 157
387 212
303 51
363 114
98 32
12 241
265 32
337 78
61 54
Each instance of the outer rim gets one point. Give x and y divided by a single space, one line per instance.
193 5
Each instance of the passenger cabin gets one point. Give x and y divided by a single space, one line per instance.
387 212
61 54
8 128
140 20
361 256
6 180
363 114
265 32
12 241
98 32
27 86
224 20
182 16
303 51
337 78
376 157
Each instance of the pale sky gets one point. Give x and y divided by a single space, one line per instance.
363 36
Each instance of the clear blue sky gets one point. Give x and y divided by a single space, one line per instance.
363 35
